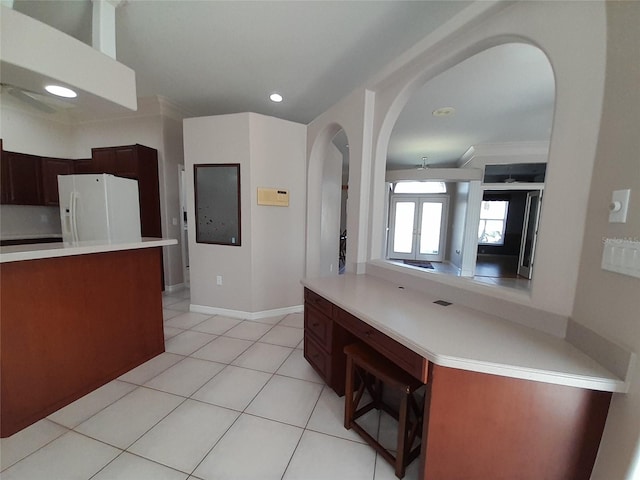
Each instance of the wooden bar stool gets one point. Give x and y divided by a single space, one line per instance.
369 371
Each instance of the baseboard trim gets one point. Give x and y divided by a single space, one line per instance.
245 315
174 288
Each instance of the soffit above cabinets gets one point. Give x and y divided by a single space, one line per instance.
34 54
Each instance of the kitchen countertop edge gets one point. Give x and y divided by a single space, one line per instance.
17 253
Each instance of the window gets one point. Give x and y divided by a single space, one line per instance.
420 187
493 219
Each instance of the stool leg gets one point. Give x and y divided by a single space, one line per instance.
348 394
401 455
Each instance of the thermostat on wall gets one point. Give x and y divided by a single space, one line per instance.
273 196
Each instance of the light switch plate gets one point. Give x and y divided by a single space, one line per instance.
621 256
620 198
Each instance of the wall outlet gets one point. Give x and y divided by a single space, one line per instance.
219 280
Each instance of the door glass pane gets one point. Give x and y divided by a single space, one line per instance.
403 232
430 228
531 232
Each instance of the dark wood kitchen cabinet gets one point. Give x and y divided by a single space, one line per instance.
21 179
84 165
51 168
139 163
324 341
4 178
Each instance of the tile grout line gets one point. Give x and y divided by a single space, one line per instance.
42 446
244 409
239 414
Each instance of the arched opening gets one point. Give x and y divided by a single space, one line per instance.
482 127
327 187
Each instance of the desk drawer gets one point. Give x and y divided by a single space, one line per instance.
318 358
402 356
318 325
312 298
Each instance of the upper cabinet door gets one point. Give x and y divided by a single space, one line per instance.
120 161
51 168
24 177
85 165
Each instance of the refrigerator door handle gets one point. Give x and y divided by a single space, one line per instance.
74 216
67 224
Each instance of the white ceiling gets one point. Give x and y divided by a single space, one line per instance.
502 95
217 57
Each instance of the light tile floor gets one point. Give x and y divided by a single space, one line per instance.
230 399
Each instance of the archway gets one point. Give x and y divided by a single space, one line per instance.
503 97
326 203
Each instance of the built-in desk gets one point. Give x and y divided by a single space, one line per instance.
504 401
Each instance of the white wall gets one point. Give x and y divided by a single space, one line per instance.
607 302
458 214
353 115
220 139
173 157
264 272
278 160
579 87
26 130
574 37
33 51
579 91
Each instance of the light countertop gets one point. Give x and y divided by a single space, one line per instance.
459 337
16 253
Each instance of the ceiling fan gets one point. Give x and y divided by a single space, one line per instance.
41 102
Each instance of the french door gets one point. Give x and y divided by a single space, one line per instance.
418 227
529 234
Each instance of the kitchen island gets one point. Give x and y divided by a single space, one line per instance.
503 401
72 318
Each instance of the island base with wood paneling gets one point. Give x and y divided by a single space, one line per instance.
70 324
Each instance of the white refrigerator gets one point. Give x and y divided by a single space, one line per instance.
99 207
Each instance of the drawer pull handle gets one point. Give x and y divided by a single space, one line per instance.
315 324
368 333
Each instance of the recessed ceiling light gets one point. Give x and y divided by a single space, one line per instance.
61 91
443 111
275 97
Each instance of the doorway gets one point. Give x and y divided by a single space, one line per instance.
418 228
184 232
327 174
506 234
